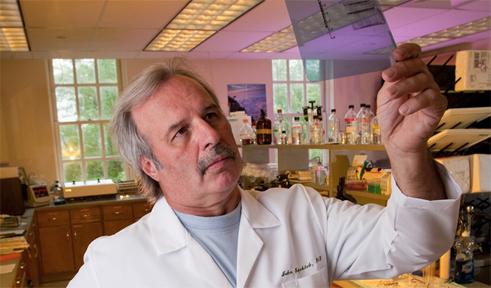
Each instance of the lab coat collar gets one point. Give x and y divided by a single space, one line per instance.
168 234
256 214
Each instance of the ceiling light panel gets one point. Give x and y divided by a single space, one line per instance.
12 34
276 42
452 33
13 39
199 20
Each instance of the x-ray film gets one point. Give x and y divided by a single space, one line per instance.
349 37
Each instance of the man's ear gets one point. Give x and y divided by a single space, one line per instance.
148 166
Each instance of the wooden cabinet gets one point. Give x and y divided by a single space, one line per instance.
86 226
116 217
64 233
32 255
140 209
55 242
56 249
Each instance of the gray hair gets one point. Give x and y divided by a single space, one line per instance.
132 145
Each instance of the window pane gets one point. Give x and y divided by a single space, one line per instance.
280 95
87 103
70 142
107 70
115 170
108 97
92 140
85 71
72 171
63 71
279 70
66 105
94 170
313 70
314 93
316 154
296 70
297 98
111 149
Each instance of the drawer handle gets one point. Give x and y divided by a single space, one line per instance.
68 235
116 212
17 282
75 234
85 216
53 219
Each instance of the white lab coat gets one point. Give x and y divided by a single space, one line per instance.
287 238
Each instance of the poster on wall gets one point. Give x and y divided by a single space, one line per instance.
250 98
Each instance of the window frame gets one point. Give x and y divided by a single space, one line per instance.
313 153
101 123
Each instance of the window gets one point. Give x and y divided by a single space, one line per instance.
85 91
293 88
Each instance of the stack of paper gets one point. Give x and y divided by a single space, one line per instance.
12 244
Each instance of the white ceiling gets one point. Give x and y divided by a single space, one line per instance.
122 28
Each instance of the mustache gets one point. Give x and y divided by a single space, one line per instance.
219 151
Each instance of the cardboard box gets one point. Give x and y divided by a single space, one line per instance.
459 170
481 172
474 66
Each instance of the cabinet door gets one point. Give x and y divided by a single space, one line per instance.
32 255
140 209
56 249
83 234
113 226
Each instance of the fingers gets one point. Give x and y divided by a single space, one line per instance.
429 98
414 84
404 69
406 51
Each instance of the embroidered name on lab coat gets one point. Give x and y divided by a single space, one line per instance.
302 267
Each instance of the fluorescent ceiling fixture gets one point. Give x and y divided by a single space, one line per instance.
199 20
12 34
452 33
276 42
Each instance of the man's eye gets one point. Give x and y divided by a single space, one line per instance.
211 116
180 132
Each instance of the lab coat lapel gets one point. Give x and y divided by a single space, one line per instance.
254 216
169 235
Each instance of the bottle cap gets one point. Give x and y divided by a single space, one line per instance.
351 106
333 110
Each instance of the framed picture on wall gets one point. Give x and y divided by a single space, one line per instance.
250 98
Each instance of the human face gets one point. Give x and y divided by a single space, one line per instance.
193 141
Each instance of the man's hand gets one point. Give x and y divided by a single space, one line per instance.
409 107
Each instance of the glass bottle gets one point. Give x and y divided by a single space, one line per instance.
375 129
57 192
263 130
305 125
297 131
350 125
365 126
317 131
246 133
333 127
280 125
359 123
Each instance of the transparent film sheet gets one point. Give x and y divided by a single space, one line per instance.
349 37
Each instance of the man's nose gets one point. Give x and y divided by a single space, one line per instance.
208 135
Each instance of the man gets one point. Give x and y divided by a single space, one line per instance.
206 232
